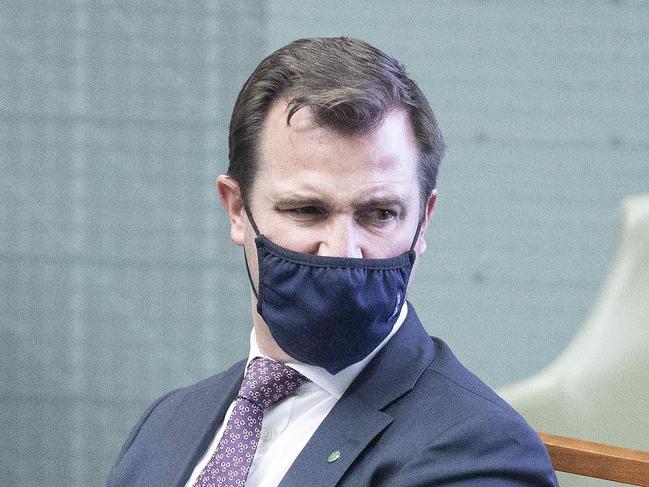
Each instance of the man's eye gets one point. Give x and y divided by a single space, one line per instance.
379 215
384 214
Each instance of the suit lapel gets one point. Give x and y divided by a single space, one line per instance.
358 417
316 465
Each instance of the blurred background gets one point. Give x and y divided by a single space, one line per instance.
118 281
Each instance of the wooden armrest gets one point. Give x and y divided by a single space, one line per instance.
597 460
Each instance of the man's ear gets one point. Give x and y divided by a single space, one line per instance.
230 195
420 247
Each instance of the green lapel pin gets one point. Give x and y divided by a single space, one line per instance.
333 456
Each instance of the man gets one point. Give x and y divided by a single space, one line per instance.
331 185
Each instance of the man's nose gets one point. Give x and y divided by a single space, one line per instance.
341 238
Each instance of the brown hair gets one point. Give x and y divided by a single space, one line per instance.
349 85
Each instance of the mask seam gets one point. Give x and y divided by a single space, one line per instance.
386 267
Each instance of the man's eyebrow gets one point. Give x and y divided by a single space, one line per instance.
290 200
387 201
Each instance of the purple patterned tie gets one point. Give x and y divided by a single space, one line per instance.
266 383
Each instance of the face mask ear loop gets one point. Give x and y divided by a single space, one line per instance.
245 257
414 240
251 220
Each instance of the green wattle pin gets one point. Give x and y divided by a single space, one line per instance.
333 456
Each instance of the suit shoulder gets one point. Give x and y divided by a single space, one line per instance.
448 372
164 428
463 424
489 449
452 395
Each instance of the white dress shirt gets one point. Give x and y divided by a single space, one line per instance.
288 425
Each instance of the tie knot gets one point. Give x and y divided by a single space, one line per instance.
268 382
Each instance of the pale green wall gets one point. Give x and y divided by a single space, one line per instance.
117 277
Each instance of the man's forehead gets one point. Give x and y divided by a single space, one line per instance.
281 142
306 162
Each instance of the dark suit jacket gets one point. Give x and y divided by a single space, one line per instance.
415 416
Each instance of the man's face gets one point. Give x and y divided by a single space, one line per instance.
317 191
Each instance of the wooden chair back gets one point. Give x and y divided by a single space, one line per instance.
597 460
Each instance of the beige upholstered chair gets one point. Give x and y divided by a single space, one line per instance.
598 387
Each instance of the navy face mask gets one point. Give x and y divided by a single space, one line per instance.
329 311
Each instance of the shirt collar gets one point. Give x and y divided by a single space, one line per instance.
336 385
